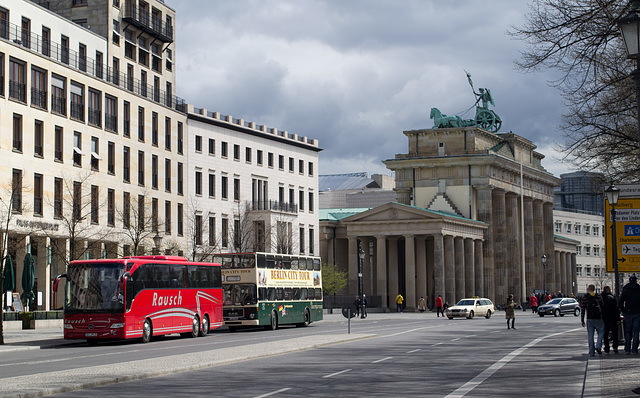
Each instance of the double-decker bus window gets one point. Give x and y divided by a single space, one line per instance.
294 264
296 293
262 261
271 294
318 294
286 263
288 293
316 264
247 262
271 262
262 293
303 294
279 293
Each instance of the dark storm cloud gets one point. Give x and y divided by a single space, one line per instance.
355 74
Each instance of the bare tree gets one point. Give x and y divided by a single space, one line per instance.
281 235
140 221
202 241
579 39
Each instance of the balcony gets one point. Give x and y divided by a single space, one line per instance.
38 98
58 104
77 110
273 205
141 19
18 90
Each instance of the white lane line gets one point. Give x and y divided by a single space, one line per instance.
456 339
409 331
471 335
412 351
488 372
272 393
336 373
381 360
433 345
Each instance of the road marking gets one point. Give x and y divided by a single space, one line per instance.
381 360
272 393
336 373
409 331
412 351
433 345
488 372
471 335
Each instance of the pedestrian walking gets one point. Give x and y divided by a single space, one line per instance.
533 303
439 306
509 312
357 303
591 306
364 305
399 300
611 319
629 304
422 304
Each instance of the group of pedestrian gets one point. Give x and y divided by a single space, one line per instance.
603 317
361 305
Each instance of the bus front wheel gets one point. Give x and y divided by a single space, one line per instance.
204 330
274 321
147 331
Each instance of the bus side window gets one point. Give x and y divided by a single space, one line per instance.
271 294
279 293
294 264
288 293
318 294
316 264
303 293
216 276
296 293
262 293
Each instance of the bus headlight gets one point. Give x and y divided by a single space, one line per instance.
252 315
117 325
68 326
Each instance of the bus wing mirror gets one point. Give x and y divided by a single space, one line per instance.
123 280
55 283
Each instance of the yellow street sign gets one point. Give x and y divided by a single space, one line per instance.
627 234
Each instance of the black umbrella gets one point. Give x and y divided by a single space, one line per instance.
9 281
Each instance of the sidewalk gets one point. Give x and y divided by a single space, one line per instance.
609 375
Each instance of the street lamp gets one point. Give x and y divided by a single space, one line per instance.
544 267
157 241
612 193
360 279
629 26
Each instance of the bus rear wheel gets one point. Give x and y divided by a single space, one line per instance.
204 330
147 331
306 320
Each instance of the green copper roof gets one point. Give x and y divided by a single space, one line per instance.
339 214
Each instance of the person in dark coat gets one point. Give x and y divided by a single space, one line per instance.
629 304
357 303
611 318
509 312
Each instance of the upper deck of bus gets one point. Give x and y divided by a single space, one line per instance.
267 260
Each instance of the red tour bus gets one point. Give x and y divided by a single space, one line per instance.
140 297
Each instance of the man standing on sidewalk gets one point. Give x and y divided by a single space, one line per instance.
611 318
591 305
629 304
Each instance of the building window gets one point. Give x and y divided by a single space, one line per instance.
224 150
587 250
198 230
291 165
95 154
57 198
180 138
270 159
38 88
115 71
64 49
247 155
111 158
82 49
154 171
99 64
301 166
587 230
76 92
58 95
198 143
212 146
259 157
167 175
111 207
212 231
198 182
579 250
17 80
16 191
17 132
281 162
38 139
558 226
596 251
223 187
77 201
26 32
140 124
236 189
311 203
167 133
576 229
301 199
143 83
141 210
38 189
568 229
154 215
180 178
46 41
59 140
311 242
95 204
126 164
302 245
126 110
578 271
310 166
236 152
141 168
212 185
154 128
225 232
167 217
111 113
95 108
180 219
587 271
126 210
596 231
77 149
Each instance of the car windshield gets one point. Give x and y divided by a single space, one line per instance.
554 301
466 302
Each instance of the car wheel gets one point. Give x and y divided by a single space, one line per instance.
556 313
576 312
470 315
488 314
450 317
541 315
147 331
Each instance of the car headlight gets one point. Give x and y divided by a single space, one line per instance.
68 326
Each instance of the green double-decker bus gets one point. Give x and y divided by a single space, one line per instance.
268 290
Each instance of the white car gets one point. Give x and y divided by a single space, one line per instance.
470 307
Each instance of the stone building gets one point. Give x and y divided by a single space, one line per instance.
473 218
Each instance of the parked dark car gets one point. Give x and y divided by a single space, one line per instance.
560 307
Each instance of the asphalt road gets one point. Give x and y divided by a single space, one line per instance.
407 356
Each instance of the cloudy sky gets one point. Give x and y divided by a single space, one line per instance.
355 74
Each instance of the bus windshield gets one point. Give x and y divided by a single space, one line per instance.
239 294
94 287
